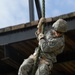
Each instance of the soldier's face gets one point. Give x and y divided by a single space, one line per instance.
57 34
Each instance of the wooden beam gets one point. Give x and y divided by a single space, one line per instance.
66 56
27 33
13 57
11 62
70 42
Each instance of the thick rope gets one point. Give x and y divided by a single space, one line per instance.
39 49
43 8
43 13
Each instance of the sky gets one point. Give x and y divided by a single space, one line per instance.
14 12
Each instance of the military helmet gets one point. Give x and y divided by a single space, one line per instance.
60 25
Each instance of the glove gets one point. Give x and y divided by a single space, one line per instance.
32 56
36 33
42 20
40 36
36 51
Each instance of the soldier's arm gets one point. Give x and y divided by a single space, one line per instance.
50 46
42 20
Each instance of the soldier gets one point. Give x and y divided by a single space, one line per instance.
51 43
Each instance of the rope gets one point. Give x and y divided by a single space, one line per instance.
39 49
43 8
43 13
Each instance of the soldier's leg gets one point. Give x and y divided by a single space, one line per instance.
50 66
44 68
26 67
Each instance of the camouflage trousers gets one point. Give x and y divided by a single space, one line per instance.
44 68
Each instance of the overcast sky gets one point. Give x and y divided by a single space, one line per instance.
13 12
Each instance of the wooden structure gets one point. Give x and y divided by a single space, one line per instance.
18 42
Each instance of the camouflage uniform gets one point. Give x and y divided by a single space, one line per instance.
25 67
51 46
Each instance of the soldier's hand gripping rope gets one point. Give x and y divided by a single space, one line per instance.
39 33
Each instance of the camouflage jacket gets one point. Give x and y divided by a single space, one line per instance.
51 46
